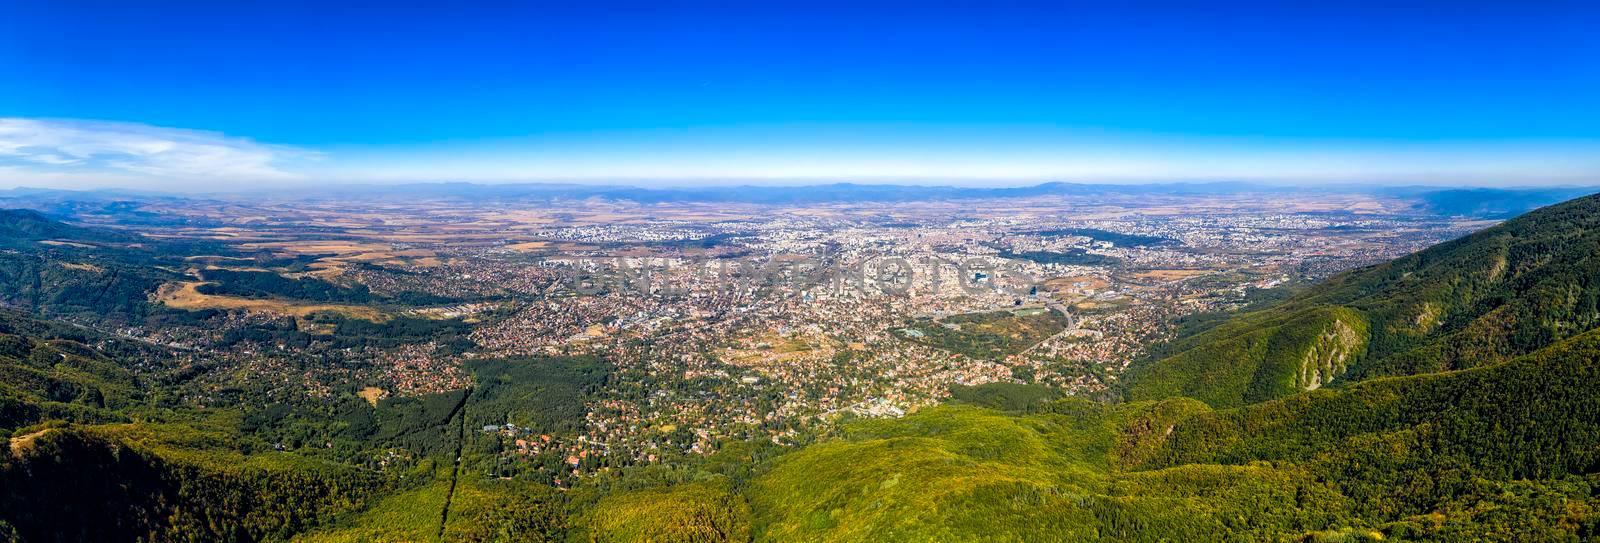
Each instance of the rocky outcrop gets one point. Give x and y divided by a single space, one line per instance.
1330 355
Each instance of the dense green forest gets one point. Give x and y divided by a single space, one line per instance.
166 483
265 284
104 284
992 335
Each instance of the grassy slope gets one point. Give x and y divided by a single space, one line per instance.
480 510
961 473
402 516
691 512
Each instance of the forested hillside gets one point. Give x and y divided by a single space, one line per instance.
56 371
165 483
58 270
1485 298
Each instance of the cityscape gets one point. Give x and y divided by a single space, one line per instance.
733 323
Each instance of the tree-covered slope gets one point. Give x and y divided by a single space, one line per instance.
1533 417
1496 294
966 474
50 370
57 270
73 467
164 483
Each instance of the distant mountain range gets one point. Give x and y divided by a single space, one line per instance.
1497 203
806 194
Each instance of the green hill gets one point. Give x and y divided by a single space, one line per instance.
1485 298
50 370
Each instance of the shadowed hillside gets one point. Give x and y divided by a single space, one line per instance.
164 483
17 225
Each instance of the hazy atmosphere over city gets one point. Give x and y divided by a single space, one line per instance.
771 271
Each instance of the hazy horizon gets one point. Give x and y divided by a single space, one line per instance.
670 185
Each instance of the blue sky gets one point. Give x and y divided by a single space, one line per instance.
173 94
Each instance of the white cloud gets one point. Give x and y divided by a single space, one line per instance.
97 151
